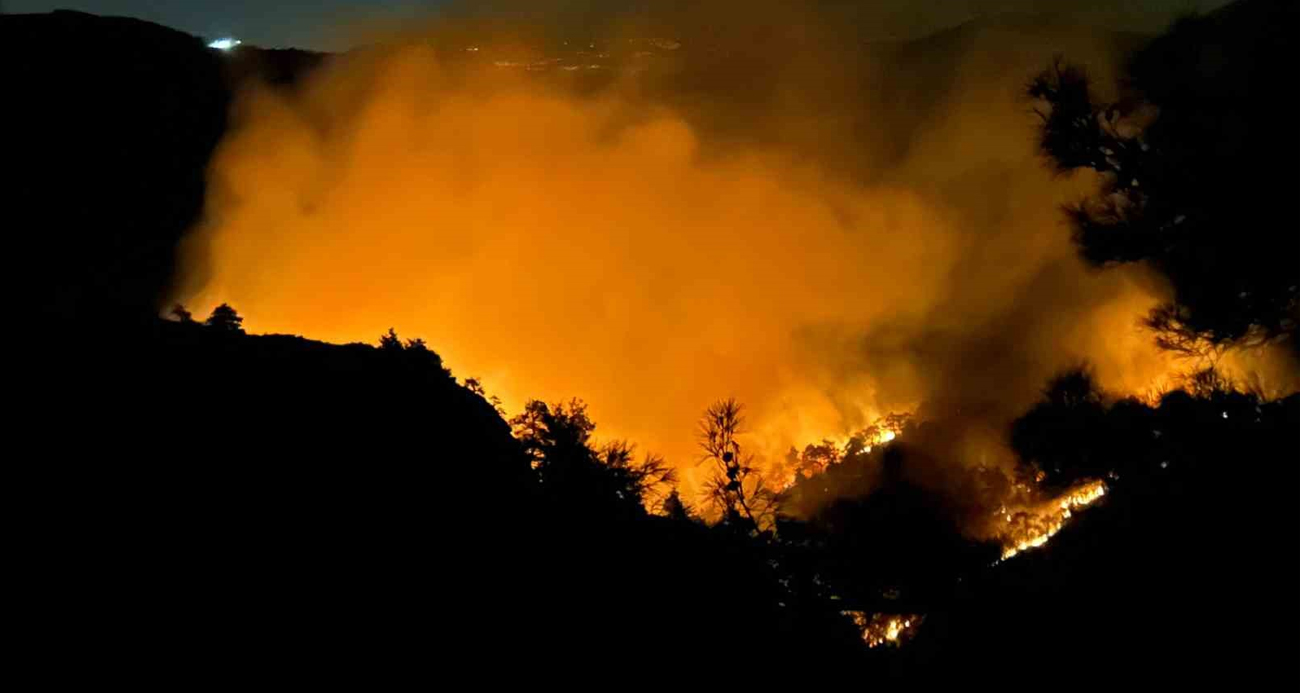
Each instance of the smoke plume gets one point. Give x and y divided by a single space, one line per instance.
657 210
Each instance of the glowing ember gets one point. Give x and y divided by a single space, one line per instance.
885 629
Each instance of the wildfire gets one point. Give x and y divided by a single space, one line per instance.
1034 527
1021 529
885 629
881 439
818 457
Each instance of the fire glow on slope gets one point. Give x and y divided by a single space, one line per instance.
1027 529
655 242
1031 527
1025 520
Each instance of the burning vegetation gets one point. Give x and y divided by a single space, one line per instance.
1027 515
1031 527
885 629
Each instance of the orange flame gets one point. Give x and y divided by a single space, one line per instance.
885 629
1030 527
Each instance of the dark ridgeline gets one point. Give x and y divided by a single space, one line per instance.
280 67
199 501
109 125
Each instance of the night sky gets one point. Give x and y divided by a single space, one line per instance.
317 23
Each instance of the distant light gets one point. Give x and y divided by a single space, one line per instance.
224 44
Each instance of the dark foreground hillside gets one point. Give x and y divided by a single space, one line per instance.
226 500
1184 571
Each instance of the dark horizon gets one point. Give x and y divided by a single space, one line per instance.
316 25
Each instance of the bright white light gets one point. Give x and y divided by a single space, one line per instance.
224 44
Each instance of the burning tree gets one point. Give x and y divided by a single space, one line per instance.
815 458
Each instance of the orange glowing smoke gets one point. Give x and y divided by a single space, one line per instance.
729 223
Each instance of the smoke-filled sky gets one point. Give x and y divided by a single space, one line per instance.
321 24
772 211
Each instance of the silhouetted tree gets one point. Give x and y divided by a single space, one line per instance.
736 488
419 353
225 319
389 342
1198 164
558 439
181 315
1060 434
673 508
414 352
645 480
476 386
